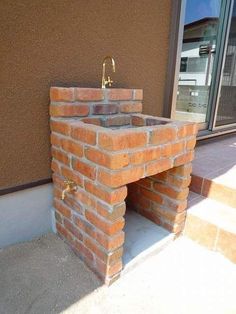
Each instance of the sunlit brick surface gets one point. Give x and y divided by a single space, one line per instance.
117 157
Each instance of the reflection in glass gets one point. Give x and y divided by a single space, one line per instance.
226 113
197 59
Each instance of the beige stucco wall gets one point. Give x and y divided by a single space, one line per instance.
62 42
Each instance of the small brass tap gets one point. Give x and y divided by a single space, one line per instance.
107 81
70 187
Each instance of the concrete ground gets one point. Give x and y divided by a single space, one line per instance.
44 276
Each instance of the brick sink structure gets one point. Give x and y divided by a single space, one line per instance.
117 157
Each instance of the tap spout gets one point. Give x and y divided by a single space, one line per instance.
63 194
70 187
107 81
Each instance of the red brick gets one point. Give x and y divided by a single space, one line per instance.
55 140
85 253
104 225
155 167
174 149
84 168
59 155
85 198
145 155
111 161
60 127
111 243
58 217
58 181
107 257
108 270
84 134
138 121
151 215
73 204
57 192
145 182
111 196
138 201
62 231
161 176
73 230
184 158
183 170
138 94
89 94
190 144
131 107
169 215
105 109
94 121
85 226
116 179
68 110
72 175
187 130
62 209
133 188
116 120
170 191
121 141
55 166
162 135
96 249
178 181
72 147
151 195
157 121
61 94
175 228
120 94
111 213
175 205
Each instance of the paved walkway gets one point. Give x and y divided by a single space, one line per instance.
44 276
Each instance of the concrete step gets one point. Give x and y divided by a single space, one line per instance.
214 170
221 187
212 224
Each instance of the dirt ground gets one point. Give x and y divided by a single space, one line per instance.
44 276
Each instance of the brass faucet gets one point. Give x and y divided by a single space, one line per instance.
107 81
70 187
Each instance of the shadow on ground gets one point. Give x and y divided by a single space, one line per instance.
42 276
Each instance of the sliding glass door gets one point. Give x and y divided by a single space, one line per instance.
206 89
226 110
197 59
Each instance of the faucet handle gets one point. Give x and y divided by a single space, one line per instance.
68 182
109 81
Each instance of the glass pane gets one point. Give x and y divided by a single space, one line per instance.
197 59
226 113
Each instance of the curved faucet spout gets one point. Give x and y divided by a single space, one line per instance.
107 81
70 187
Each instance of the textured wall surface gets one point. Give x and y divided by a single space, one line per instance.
61 42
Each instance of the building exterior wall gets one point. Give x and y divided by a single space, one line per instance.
25 215
49 42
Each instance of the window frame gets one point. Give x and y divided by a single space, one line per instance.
173 70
